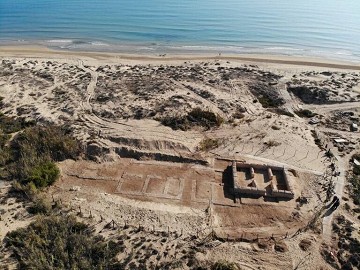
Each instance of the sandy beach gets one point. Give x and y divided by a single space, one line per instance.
42 51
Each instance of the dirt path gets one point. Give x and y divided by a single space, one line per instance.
339 188
290 103
331 107
347 134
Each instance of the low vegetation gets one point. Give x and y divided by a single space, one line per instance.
33 152
29 152
346 252
57 242
305 113
268 102
196 117
281 111
224 265
354 180
208 144
9 125
267 95
310 95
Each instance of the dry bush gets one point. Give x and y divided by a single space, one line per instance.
208 144
196 117
305 244
58 242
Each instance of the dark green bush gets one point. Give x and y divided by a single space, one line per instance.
196 117
268 102
355 188
53 142
356 156
305 113
39 206
32 153
43 174
4 138
10 125
205 118
356 169
61 243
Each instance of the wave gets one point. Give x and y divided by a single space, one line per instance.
60 41
283 48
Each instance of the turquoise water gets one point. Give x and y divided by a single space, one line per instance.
328 28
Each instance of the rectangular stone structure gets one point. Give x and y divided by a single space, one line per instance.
274 176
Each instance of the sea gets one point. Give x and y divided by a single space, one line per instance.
316 28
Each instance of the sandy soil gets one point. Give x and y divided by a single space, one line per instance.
160 179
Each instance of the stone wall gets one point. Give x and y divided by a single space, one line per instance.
274 192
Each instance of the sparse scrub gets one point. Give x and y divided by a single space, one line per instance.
268 102
208 144
356 169
61 243
272 143
10 125
267 95
224 265
346 248
281 111
356 156
305 113
310 95
40 205
354 180
355 188
30 156
196 117
53 142
238 115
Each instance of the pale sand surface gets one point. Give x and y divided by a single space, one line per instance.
113 103
39 51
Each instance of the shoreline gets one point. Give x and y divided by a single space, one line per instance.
35 51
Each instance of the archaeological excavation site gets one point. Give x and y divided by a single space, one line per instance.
185 162
260 180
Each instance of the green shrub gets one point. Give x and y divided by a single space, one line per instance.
40 206
61 243
34 151
43 174
52 142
